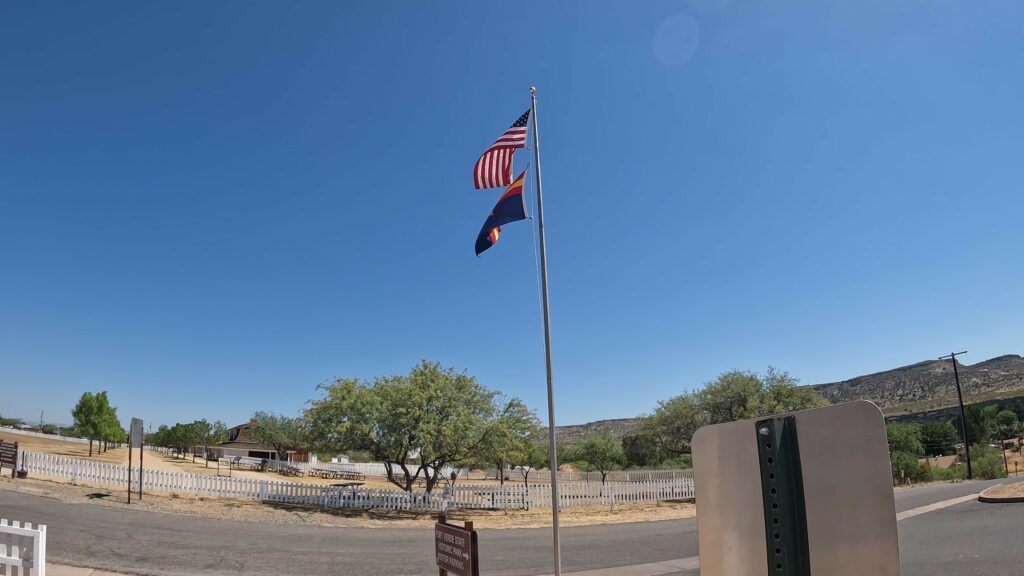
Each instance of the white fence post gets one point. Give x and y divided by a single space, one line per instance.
24 548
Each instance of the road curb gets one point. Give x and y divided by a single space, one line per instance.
998 499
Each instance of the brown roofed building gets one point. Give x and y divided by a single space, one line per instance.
240 443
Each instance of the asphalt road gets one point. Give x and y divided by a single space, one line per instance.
969 536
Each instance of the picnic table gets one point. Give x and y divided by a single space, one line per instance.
248 465
336 474
288 470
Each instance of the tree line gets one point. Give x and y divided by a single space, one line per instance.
433 418
988 429
184 438
42 428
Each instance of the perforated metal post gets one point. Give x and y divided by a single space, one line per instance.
782 488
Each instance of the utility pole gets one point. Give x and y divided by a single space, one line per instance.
963 416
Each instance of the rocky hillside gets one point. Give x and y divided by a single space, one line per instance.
928 386
619 427
925 390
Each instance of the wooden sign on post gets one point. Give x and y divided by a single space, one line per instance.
455 548
9 456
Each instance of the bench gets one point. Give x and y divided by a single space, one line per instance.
290 471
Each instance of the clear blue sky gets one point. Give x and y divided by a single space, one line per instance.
207 208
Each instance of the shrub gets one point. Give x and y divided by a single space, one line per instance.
958 472
683 461
987 462
906 466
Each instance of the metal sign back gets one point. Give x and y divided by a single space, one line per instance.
135 434
848 504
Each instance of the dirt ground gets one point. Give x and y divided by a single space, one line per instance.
1013 458
1015 490
251 511
64 447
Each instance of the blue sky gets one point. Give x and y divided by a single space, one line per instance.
209 208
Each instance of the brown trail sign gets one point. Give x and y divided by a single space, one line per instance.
9 456
455 548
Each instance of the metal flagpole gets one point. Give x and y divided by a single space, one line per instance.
553 456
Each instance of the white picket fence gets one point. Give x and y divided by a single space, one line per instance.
462 496
22 548
626 476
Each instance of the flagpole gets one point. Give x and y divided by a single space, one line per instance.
552 446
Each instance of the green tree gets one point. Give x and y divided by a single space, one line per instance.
530 460
435 414
782 393
602 452
218 433
11 422
207 434
641 450
905 438
732 396
509 438
673 423
159 438
110 426
1006 424
182 438
905 466
905 450
88 415
281 433
980 423
987 462
202 429
939 438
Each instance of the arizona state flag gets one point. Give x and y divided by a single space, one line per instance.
509 208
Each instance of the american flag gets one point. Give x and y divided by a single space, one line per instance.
494 168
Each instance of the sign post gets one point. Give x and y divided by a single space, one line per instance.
455 548
134 439
797 494
9 456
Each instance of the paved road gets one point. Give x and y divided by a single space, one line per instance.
167 545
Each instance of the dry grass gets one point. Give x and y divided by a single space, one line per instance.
64 447
1013 458
1014 490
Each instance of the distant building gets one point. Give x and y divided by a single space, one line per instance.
240 443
